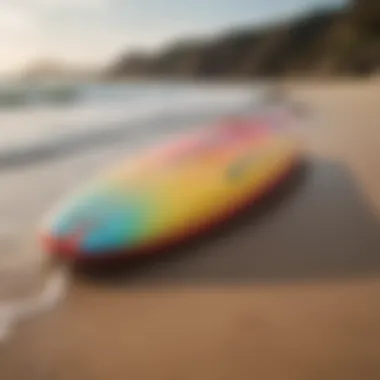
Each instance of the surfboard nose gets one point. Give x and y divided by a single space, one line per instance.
65 233
96 226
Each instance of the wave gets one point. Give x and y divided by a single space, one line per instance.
15 96
18 95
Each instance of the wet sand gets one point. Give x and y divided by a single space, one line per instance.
290 290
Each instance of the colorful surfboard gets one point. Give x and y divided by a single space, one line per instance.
172 192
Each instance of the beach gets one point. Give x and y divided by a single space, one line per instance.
289 291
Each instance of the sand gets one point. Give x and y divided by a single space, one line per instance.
289 291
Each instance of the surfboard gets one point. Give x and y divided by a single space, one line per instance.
171 192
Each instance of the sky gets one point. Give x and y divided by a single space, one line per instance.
93 32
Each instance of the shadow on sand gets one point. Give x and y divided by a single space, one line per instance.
315 225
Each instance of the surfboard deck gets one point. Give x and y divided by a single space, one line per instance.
172 192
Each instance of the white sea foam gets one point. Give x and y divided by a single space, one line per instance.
15 312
